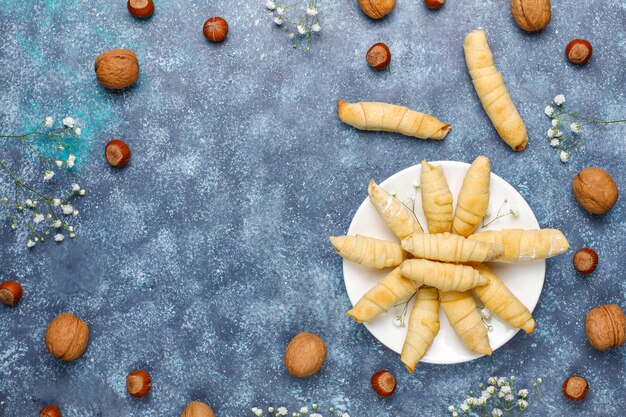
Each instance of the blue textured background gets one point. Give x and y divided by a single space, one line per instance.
202 258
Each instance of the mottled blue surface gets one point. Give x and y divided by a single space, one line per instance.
201 259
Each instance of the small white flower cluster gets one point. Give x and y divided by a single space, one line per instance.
513 210
304 25
497 398
303 411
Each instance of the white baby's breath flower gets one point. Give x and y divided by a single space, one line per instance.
56 202
71 159
509 397
291 35
69 122
77 131
514 211
492 380
282 411
47 175
278 20
451 409
505 389
397 321
464 407
523 393
311 11
496 412
549 111
304 410
574 127
522 404
316 415
270 4
75 188
59 237
38 218
30 243
564 156
302 29
58 163
280 10
81 192
67 209
555 142
29 203
74 212
502 381
57 224
555 122
316 27
491 390
560 99
270 409
48 122
485 313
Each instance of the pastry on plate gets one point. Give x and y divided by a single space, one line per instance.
443 276
447 247
423 327
368 251
460 308
395 214
436 199
525 245
473 199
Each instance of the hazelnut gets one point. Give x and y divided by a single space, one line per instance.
586 260
50 411
531 15
578 51
384 383
117 153
197 409
595 190
605 327
575 388
117 68
434 4
378 56
215 29
305 355
141 9
67 337
10 293
138 383
377 9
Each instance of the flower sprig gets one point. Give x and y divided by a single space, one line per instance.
298 23
400 319
498 397
502 212
22 204
580 126
313 411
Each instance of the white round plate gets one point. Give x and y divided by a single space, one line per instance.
525 280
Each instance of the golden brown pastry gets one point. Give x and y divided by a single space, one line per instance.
368 251
447 247
396 215
392 118
436 199
443 276
463 315
495 98
388 292
525 245
501 301
423 327
473 199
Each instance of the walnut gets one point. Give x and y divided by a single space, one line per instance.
377 9
117 68
606 327
197 409
67 337
595 190
305 355
531 15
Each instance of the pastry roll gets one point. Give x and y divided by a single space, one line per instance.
423 327
436 199
501 301
473 199
392 118
443 276
450 248
463 315
489 86
388 292
525 245
396 215
368 251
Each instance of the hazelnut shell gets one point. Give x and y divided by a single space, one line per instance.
434 4
384 383
67 337
10 293
575 388
578 51
141 9
215 29
50 411
605 327
117 68
138 383
595 190
586 261
377 9
197 409
378 56
117 153
305 355
531 15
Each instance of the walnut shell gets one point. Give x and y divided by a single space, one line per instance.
605 327
117 68
67 337
595 190
531 15
197 409
377 9
305 355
